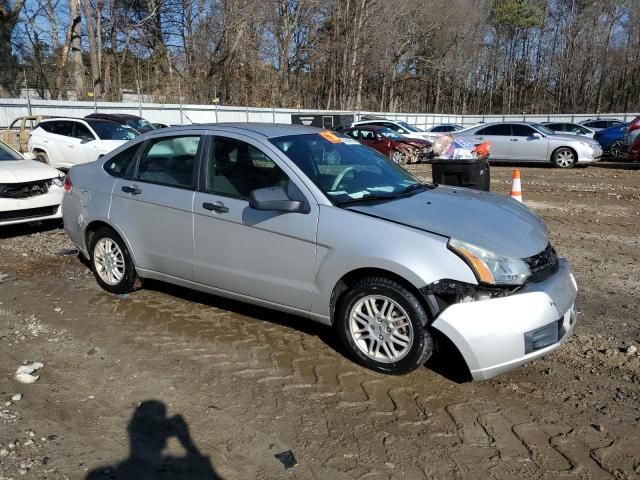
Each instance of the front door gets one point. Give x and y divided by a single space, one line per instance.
154 207
525 147
262 254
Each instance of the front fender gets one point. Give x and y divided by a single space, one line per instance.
349 241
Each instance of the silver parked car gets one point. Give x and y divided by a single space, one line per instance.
533 142
313 223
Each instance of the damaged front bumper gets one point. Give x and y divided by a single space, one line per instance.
499 334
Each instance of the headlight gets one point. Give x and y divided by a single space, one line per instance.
587 144
58 181
489 267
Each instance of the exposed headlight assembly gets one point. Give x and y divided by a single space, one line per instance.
489 267
58 181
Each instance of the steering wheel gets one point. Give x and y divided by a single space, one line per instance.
341 176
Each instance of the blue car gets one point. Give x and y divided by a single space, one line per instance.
612 140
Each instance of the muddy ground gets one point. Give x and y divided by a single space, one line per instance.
168 383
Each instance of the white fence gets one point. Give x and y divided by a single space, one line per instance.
186 114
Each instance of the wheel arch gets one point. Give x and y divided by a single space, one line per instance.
573 150
351 277
93 226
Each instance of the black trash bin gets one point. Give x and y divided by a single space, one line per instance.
467 172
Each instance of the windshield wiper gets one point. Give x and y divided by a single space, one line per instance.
367 197
372 197
414 187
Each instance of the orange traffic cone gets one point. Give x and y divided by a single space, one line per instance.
516 187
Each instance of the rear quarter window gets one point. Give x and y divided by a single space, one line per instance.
118 165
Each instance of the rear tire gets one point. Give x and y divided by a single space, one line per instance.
111 262
383 326
564 158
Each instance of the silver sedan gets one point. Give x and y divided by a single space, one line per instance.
300 220
533 142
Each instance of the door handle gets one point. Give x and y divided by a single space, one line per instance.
479 138
131 190
514 140
215 207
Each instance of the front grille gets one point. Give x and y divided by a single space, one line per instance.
543 264
24 190
28 213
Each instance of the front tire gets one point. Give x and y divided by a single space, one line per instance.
383 326
564 158
398 157
111 262
617 149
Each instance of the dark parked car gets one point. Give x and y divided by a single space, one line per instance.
599 124
445 128
391 144
612 140
133 121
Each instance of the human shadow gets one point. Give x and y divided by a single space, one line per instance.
149 430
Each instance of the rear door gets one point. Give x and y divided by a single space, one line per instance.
262 254
87 146
153 206
499 135
525 146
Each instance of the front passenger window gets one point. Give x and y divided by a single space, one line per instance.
235 168
170 161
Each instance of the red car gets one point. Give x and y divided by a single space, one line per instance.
634 150
391 144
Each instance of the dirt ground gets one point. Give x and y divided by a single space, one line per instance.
169 383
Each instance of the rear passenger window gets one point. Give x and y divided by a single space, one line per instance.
118 164
170 161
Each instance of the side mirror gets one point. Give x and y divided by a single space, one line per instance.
275 199
536 135
29 156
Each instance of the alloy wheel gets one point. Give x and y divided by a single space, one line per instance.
565 159
109 261
380 328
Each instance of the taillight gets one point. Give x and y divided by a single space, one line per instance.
634 125
67 183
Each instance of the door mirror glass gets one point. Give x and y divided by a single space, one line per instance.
274 199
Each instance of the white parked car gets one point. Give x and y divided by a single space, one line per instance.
29 190
566 128
403 128
64 142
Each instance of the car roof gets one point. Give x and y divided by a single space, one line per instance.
268 130
370 127
105 115
74 119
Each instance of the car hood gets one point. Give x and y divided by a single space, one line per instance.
20 171
495 222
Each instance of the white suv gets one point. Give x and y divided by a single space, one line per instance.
64 142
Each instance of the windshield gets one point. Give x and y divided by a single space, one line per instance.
140 124
411 128
387 132
543 129
8 155
345 170
112 131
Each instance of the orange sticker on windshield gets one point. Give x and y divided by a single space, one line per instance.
330 137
